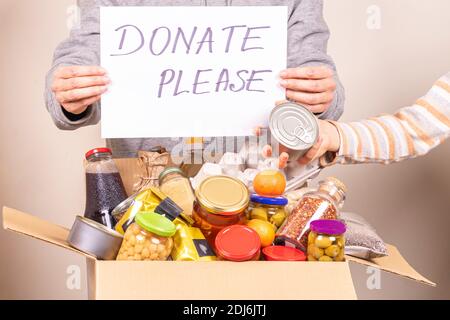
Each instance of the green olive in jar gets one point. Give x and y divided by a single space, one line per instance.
341 242
322 242
259 213
278 218
311 258
312 237
332 251
340 256
325 259
317 252
328 236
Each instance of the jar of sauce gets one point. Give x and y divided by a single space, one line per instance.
221 202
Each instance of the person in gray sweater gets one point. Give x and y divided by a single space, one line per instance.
76 82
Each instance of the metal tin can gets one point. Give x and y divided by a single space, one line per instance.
94 239
295 127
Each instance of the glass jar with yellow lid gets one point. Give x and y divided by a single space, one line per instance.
221 202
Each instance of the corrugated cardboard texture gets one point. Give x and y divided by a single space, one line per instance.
223 280
394 263
29 225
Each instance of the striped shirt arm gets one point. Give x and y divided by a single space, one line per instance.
411 132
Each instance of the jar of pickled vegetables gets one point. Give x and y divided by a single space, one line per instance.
149 238
221 202
326 241
321 203
238 243
267 209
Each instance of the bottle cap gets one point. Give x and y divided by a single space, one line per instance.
96 151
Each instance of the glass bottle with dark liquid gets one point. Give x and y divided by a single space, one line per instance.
104 187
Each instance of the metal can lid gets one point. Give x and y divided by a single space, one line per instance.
270 201
282 253
223 195
96 151
294 126
329 227
170 170
237 243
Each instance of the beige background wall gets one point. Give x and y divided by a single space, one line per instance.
41 167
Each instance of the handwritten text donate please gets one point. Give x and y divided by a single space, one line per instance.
240 39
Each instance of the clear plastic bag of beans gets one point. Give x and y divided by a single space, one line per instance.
321 203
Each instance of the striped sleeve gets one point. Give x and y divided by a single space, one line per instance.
411 132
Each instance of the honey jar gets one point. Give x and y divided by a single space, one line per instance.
221 202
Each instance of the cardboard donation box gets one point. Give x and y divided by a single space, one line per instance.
208 280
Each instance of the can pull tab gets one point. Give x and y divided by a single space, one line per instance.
305 136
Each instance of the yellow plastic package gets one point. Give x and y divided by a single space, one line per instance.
190 244
150 200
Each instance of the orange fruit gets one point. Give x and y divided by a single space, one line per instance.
265 231
269 183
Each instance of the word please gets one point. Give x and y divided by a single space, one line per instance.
208 80
240 38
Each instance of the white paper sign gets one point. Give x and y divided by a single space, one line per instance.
191 71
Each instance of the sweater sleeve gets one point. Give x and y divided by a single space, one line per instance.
308 36
81 48
411 132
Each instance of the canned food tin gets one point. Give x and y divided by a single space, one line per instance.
295 127
94 239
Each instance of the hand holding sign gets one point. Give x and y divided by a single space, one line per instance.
77 87
313 87
191 71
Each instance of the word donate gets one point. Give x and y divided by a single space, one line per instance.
191 71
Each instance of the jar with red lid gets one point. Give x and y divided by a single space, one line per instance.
104 186
238 243
221 202
282 253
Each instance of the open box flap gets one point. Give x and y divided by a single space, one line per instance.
394 263
32 226
29 225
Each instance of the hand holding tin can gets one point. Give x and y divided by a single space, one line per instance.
294 127
301 135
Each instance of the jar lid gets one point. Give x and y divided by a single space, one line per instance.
237 243
156 224
282 253
97 150
331 227
170 170
223 195
271 201
294 126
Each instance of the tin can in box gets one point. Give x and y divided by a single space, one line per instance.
295 127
